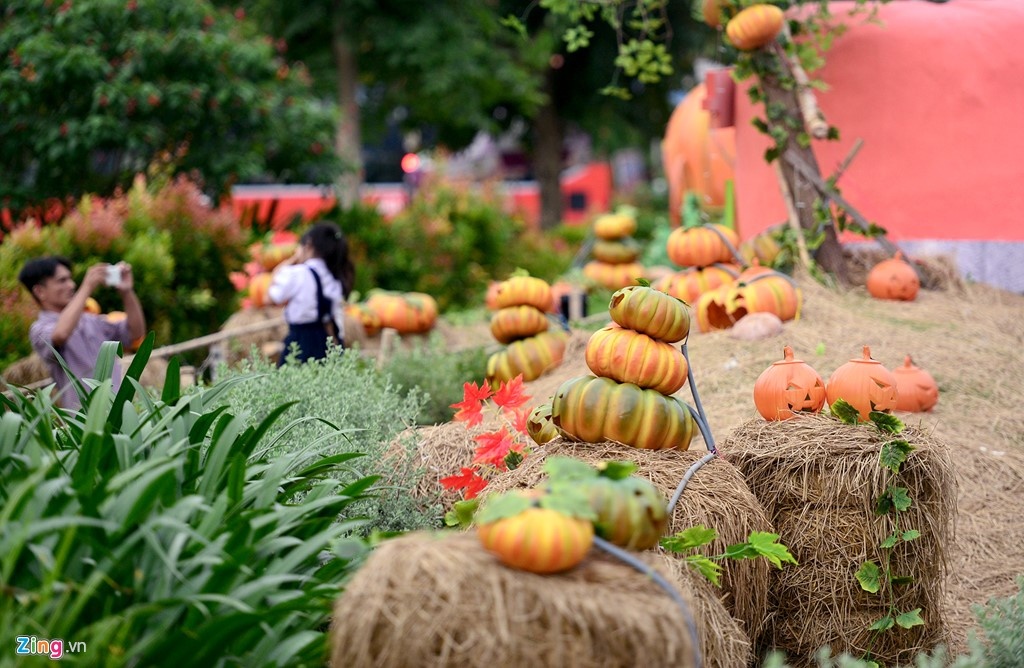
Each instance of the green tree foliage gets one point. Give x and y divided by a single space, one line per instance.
94 90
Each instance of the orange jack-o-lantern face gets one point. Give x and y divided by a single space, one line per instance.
894 278
787 387
864 384
916 390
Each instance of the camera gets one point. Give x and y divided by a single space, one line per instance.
113 275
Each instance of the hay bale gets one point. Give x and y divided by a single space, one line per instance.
440 451
818 480
441 600
240 347
26 371
716 496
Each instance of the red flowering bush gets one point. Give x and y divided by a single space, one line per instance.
499 449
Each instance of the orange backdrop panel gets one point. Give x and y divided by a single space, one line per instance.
937 94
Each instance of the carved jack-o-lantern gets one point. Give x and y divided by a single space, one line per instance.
917 391
864 384
787 387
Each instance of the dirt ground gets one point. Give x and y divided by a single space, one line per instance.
969 337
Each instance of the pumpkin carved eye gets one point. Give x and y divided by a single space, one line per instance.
864 384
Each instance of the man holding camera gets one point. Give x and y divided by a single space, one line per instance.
64 325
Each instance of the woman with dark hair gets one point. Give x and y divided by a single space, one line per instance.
314 283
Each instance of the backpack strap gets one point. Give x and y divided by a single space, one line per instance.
323 309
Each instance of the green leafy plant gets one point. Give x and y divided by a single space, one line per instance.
758 544
878 578
163 531
367 412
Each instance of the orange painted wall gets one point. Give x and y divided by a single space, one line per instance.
937 94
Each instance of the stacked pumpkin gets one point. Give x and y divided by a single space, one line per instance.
791 386
615 252
637 370
707 253
404 312
533 347
265 256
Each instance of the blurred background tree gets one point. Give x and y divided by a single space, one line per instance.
93 91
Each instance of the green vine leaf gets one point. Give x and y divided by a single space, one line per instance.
886 422
901 498
461 514
513 459
768 546
894 453
890 541
901 580
883 624
504 505
567 468
869 575
572 501
689 539
908 620
912 534
707 568
616 470
844 411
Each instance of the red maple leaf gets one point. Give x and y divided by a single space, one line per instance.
469 409
511 394
519 419
494 445
468 480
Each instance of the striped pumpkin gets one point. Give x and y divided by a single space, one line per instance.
405 312
754 26
689 285
523 290
596 409
614 226
538 540
651 312
517 322
627 356
701 246
539 425
616 251
532 357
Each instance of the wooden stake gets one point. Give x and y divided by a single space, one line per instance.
814 120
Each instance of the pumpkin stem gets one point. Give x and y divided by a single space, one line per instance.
787 353
867 353
907 362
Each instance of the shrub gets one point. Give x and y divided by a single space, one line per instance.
1002 622
438 374
372 412
165 533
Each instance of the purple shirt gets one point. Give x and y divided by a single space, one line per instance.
79 351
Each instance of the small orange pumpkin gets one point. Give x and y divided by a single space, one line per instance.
712 12
690 284
404 312
787 387
916 390
616 251
894 278
92 306
258 287
701 246
864 384
754 26
613 276
538 539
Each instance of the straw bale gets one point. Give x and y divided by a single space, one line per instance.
716 497
239 348
831 529
439 599
937 272
26 371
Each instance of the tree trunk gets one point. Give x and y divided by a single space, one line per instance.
348 138
829 254
547 159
